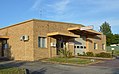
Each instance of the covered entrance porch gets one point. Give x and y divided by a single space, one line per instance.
63 40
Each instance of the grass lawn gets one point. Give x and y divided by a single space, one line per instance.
70 60
14 70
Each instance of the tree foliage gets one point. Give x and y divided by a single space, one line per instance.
115 39
111 38
105 28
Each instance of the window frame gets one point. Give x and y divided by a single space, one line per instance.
103 46
95 46
42 42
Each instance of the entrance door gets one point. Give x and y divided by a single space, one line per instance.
60 45
0 48
3 47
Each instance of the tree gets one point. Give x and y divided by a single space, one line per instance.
109 39
115 39
105 28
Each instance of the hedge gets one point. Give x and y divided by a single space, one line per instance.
89 54
103 55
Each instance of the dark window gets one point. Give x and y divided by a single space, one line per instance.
84 47
4 41
77 46
62 44
81 47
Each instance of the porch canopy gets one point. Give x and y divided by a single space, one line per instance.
57 34
78 30
4 37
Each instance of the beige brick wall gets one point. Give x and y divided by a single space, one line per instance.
29 50
20 50
99 40
41 28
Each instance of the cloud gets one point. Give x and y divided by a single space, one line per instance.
87 8
36 5
88 12
51 9
60 6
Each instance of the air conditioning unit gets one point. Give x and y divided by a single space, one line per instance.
24 38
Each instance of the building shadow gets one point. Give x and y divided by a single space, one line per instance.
11 64
41 71
115 71
3 59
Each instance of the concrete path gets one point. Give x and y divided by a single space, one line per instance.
109 67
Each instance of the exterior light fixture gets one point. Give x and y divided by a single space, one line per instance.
112 52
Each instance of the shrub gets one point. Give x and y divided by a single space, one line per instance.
103 55
84 54
117 53
70 54
78 54
90 54
65 53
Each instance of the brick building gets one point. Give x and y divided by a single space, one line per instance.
36 39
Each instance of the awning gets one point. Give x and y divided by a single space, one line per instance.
4 37
87 32
54 34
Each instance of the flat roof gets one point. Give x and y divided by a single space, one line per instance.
4 37
84 31
41 21
62 34
74 28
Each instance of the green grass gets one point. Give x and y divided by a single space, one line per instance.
70 60
14 70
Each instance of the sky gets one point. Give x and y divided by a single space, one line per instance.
86 12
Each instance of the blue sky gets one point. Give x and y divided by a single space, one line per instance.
86 12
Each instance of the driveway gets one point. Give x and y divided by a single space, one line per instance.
47 68
109 63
